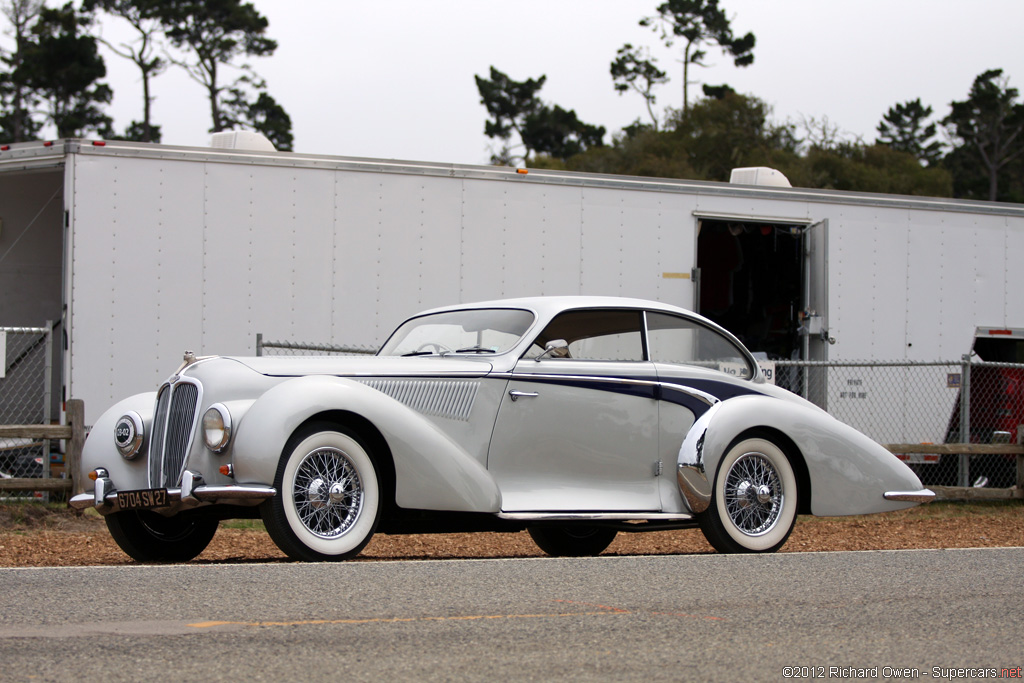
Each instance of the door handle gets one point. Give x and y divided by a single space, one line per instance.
516 395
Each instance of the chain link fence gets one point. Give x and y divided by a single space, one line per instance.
942 402
287 348
898 402
25 398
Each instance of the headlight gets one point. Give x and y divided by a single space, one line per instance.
217 427
129 435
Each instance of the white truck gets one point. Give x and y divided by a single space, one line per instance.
143 251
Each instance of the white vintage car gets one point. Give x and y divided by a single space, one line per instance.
571 417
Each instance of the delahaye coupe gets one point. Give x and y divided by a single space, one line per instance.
574 418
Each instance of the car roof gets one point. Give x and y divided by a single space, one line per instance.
547 306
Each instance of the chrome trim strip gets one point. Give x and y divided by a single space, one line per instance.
696 393
572 516
922 496
707 398
234 492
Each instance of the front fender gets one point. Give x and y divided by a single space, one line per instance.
849 473
432 471
99 449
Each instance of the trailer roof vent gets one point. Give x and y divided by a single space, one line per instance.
758 175
242 139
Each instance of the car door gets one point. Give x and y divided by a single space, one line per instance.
580 432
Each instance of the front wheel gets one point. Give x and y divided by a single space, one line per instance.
572 541
754 499
328 496
149 537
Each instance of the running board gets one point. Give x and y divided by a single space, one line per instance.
559 516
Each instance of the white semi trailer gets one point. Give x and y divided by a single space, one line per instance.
142 251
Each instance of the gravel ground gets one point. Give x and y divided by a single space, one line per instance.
40 536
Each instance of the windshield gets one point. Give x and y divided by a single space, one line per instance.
485 330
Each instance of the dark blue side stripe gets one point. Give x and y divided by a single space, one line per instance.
720 390
671 390
597 384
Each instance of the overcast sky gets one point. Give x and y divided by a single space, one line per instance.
395 79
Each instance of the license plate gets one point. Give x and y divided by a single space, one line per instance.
142 499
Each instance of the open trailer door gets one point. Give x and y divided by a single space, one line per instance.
814 337
765 280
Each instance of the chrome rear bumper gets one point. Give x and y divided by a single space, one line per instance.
922 496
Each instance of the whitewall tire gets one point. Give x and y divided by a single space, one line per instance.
754 499
328 498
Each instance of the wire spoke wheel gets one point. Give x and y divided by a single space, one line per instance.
753 494
328 492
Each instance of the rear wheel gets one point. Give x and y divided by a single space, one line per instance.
753 501
328 496
572 541
149 537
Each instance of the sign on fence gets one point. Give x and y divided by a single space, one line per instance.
3 353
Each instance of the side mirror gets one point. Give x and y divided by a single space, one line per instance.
556 348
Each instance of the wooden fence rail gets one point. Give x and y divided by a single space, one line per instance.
969 493
73 432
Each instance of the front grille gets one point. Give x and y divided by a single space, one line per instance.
173 426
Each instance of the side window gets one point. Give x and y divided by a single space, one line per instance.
595 335
672 339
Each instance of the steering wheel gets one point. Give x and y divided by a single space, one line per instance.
438 348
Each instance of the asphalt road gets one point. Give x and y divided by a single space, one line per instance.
830 615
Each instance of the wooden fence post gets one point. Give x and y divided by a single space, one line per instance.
75 416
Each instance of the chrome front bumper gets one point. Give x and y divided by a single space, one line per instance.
193 492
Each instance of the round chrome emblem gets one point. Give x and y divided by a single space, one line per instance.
128 435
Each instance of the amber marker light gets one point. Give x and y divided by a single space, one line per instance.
227 470
94 475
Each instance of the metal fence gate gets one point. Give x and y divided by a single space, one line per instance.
25 397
